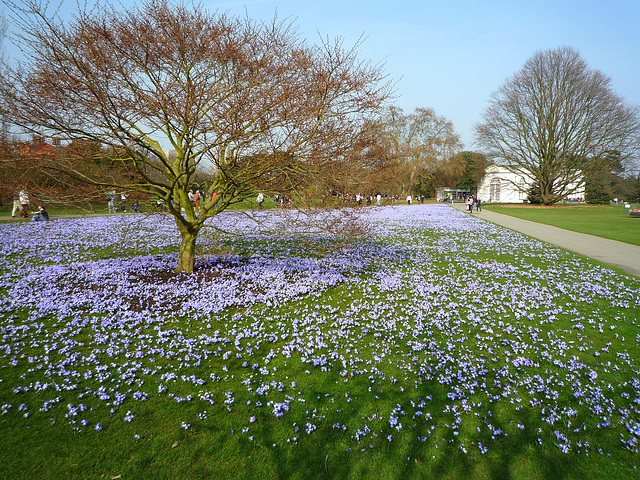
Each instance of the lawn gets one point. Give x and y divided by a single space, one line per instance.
58 210
442 347
612 222
147 206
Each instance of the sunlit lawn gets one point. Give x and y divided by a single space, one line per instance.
612 222
147 206
444 347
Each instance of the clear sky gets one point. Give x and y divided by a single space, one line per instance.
450 55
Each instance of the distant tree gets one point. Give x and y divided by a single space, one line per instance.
608 180
475 165
602 176
446 175
463 170
238 101
554 119
634 189
627 187
598 190
4 121
366 166
422 141
533 194
27 164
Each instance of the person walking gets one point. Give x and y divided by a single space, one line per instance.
196 200
260 200
17 206
24 203
111 201
123 202
478 207
470 203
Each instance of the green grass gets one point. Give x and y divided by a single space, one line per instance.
214 447
145 207
99 209
613 222
50 444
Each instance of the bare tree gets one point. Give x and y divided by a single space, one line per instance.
252 100
554 120
422 140
366 166
4 121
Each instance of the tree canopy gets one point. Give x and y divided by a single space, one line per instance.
249 102
556 119
421 141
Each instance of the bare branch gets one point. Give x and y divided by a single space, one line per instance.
252 99
555 119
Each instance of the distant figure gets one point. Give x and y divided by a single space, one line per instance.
41 215
111 201
17 206
470 203
196 200
478 207
409 199
378 199
24 203
260 200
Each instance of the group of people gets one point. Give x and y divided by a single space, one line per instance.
21 204
281 201
195 198
358 198
471 202
114 206
377 198
347 199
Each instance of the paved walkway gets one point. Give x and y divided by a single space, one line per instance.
612 252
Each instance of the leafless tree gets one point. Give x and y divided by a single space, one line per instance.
252 99
422 141
555 119
366 166
4 123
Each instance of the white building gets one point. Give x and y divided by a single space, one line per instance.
500 185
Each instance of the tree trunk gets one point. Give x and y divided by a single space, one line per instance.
546 193
186 259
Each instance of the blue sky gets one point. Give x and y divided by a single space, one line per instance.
450 55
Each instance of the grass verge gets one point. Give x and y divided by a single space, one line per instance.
613 222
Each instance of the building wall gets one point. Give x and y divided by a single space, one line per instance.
500 185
